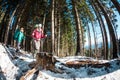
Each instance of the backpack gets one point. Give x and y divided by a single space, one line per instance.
16 34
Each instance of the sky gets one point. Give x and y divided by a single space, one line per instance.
118 30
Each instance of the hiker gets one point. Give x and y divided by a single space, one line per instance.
19 37
37 35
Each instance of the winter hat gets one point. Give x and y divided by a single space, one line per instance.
36 25
40 25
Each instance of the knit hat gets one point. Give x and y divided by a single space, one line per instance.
40 25
36 25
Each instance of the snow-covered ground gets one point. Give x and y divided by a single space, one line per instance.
13 69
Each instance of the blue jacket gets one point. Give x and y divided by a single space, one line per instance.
19 36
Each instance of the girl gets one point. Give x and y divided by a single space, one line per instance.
20 37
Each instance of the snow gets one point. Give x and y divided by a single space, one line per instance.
9 71
13 69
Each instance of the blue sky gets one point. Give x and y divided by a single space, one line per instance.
118 30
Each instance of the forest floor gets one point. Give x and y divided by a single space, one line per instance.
13 66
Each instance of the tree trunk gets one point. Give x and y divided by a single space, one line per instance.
95 38
52 26
83 48
103 31
56 26
2 28
111 30
78 29
89 40
8 27
58 41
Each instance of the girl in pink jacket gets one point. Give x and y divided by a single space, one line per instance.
37 35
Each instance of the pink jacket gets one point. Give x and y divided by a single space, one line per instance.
37 34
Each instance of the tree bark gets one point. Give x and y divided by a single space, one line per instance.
78 49
52 26
89 40
8 27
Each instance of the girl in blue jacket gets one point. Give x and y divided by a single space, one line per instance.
19 38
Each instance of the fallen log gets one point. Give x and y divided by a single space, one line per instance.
78 64
29 73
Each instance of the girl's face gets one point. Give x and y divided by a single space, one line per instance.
37 28
22 30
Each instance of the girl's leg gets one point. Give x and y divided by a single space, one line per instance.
18 47
37 47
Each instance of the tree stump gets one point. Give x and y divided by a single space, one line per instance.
45 61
